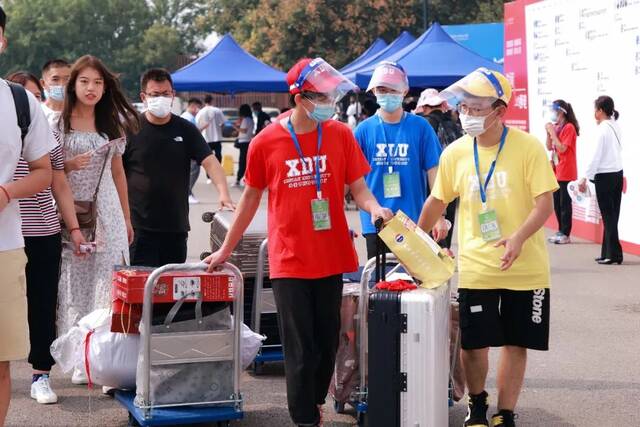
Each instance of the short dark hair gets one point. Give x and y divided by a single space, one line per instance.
54 63
499 103
195 100
208 99
22 77
245 111
157 75
3 19
256 105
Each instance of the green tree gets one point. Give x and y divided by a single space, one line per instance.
339 30
127 35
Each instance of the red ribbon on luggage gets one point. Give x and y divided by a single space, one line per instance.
396 286
86 358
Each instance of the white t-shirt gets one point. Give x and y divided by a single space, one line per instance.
51 115
37 143
608 154
247 128
214 119
188 116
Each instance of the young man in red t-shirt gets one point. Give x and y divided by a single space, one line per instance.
304 161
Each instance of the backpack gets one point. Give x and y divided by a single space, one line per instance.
23 111
446 130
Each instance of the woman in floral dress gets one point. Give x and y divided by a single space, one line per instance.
95 113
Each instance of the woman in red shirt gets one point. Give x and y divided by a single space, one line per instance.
562 133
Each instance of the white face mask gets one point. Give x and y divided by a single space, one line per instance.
159 106
473 125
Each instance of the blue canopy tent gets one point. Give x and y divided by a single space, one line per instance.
433 60
487 40
227 68
378 45
402 41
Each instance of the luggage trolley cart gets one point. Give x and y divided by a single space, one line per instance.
263 303
224 346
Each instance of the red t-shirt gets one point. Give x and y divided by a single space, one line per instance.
567 169
273 163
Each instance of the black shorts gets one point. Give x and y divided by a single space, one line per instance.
498 317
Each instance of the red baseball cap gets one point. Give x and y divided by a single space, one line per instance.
316 75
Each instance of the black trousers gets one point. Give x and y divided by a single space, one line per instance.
564 208
155 249
371 239
42 272
609 195
216 147
450 214
309 320
242 161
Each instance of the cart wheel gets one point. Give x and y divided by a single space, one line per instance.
204 254
338 407
208 216
257 368
361 419
132 421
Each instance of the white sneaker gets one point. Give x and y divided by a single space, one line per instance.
79 377
193 200
109 391
42 392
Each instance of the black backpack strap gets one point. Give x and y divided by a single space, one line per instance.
23 110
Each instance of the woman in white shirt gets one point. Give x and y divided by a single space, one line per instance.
605 170
245 135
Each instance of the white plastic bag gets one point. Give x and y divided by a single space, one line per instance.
112 357
66 349
582 199
250 344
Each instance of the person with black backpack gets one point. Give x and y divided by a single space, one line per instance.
435 109
26 133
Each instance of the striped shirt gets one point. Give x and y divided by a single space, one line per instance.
38 212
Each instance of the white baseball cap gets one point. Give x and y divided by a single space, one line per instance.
430 97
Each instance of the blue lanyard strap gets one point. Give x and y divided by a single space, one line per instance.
296 144
384 135
483 187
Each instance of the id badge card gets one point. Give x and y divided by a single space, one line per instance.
391 184
489 228
320 214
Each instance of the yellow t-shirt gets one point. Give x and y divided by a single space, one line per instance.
522 173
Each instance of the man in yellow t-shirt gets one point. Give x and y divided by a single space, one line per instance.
505 184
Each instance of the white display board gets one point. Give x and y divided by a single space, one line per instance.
578 50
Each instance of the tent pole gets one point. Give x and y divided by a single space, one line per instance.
425 7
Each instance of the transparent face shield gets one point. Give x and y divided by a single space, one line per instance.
477 91
389 75
320 78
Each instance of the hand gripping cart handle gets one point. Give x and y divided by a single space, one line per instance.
192 412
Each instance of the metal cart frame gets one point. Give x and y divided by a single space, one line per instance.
263 303
148 414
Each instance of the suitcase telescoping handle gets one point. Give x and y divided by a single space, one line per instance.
381 254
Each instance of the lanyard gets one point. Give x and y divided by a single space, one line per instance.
483 187
296 144
384 137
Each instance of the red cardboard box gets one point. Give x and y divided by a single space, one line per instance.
128 286
125 317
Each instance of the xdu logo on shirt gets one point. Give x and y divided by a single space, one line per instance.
301 172
392 150
498 187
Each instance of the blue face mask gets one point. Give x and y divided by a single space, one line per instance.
389 102
321 112
56 93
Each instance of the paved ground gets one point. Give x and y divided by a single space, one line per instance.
591 376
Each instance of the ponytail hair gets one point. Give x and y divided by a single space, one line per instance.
605 103
569 115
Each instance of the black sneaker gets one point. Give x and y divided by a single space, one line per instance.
504 418
477 414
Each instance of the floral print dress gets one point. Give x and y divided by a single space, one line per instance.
85 282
